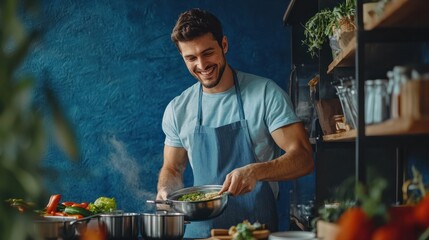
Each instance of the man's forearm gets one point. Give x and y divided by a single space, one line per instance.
288 166
169 180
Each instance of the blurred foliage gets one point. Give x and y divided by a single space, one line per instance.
22 133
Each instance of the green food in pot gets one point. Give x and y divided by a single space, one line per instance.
197 196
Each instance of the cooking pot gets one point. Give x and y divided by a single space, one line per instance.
168 226
58 227
120 225
196 210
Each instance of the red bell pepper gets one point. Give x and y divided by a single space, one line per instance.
68 204
81 205
53 203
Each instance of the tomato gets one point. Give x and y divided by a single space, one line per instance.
354 225
421 212
395 231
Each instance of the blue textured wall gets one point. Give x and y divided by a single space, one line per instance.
113 68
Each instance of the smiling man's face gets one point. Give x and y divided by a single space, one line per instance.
205 60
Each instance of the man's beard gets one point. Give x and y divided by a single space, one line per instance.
219 77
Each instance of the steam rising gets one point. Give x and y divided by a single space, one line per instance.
128 168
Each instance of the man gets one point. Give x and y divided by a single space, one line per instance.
230 126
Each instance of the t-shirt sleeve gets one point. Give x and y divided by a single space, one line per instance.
170 128
279 107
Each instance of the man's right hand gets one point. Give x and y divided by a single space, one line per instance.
162 195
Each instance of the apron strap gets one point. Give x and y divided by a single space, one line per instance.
237 93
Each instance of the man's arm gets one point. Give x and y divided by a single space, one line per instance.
296 162
171 175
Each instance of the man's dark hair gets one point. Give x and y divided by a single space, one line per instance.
195 23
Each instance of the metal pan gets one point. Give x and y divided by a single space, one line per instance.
58 227
197 210
165 226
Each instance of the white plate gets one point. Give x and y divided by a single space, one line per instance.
292 235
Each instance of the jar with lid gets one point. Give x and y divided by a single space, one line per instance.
369 101
381 98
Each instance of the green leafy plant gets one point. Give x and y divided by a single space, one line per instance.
317 30
321 26
22 135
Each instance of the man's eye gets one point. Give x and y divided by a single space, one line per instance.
190 59
208 53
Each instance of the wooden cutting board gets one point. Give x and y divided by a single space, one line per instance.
222 234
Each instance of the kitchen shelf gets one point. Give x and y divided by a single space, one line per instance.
398 13
397 126
346 58
401 13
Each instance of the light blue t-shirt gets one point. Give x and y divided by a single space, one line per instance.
266 108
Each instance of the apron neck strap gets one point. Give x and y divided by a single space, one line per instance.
237 93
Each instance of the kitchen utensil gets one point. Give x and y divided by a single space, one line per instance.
292 235
168 226
59 227
196 210
120 225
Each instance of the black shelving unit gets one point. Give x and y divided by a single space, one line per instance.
364 37
377 146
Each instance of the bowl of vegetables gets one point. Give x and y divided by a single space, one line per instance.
198 203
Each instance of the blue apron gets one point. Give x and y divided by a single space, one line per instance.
218 151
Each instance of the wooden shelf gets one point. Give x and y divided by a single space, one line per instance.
398 13
341 137
398 127
401 13
346 58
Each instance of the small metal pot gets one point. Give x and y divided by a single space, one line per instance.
120 226
196 210
56 227
166 226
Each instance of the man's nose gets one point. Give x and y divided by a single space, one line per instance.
201 63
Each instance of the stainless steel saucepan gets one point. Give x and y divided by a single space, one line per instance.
196 210
57 227
165 226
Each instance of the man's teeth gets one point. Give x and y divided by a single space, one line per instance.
207 72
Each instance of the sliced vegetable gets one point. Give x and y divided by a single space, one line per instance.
68 204
20 204
77 216
82 205
53 203
77 210
60 207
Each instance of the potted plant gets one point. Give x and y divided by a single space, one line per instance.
344 27
329 24
22 132
317 30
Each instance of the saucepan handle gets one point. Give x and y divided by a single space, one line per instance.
160 202
85 219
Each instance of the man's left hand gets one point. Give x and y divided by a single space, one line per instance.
239 181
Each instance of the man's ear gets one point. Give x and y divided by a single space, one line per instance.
225 45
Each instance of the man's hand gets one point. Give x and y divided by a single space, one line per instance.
162 195
239 181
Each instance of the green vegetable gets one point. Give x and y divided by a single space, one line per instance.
244 230
197 196
77 210
102 205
